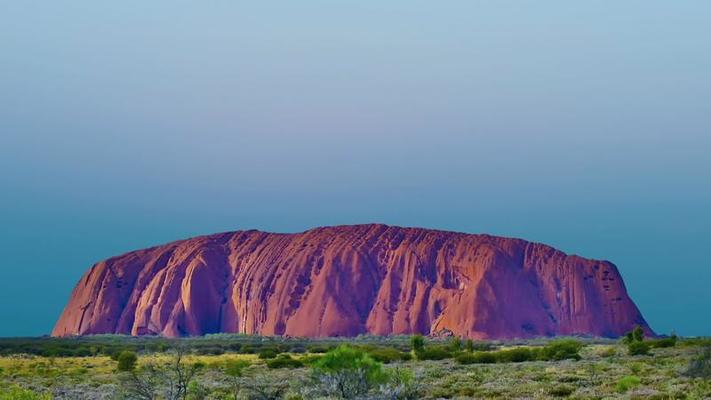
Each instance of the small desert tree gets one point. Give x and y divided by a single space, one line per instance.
172 379
469 345
455 344
418 343
143 383
402 385
348 372
635 342
179 374
127 361
235 370
262 388
635 335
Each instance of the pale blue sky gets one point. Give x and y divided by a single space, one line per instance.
584 126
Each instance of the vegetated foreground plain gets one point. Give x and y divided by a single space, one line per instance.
366 367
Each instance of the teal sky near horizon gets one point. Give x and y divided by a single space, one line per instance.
585 126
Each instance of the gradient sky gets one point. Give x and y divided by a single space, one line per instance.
583 125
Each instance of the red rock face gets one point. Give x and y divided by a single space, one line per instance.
350 280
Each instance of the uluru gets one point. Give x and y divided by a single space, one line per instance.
351 280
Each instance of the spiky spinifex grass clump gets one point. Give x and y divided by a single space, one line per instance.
700 367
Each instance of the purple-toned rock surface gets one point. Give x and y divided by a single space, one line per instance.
349 280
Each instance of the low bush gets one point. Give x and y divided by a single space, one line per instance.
471 345
247 349
556 350
18 393
483 346
626 383
433 353
127 361
388 354
310 359
561 349
114 354
480 357
401 385
518 354
663 342
561 390
455 343
298 349
607 352
210 350
635 335
320 349
638 348
284 361
348 372
235 368
267 353
417 342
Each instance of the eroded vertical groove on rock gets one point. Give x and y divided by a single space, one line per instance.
350 280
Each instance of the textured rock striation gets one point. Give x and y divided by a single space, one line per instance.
350 280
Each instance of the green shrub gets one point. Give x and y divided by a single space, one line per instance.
469 345
481 357
433 353
298 349
388 354
235 368
561 349
638 348
698 341
561 390
284 361
127 361
114 354
18 393
320 349
349 372
310 359
485 357
267 353
417 342
455 343
401 385
196 391
664 342
519 354
626 383
635 335
608 352
465 358
210 350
